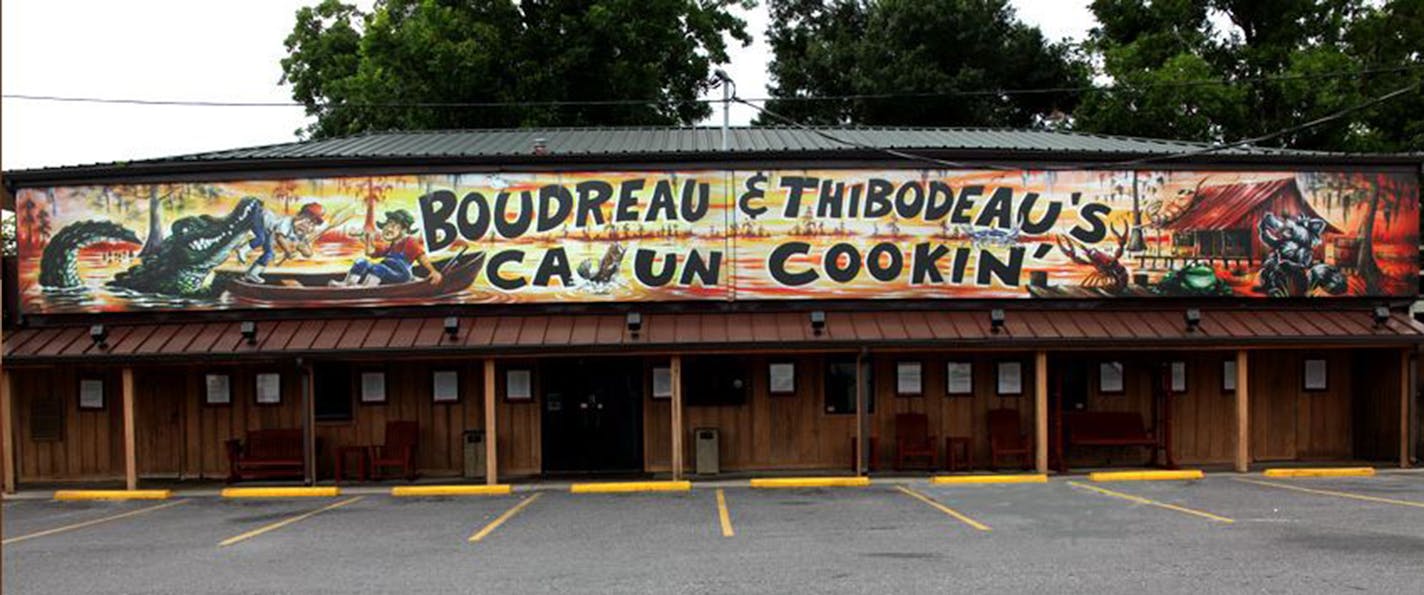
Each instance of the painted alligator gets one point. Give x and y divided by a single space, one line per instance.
182 264
59 265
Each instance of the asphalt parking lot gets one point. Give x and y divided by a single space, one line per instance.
1222 533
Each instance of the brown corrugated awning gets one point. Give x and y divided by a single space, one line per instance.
722 331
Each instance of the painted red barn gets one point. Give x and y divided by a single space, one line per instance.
1221 223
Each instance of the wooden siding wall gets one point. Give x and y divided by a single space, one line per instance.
795 431
179 435
1289 423
90 446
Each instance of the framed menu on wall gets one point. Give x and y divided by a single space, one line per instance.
1010 378
373 387
959 378
219 389
269 389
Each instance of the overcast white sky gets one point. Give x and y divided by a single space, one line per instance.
219 51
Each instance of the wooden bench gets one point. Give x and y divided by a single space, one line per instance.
1107 428
266 453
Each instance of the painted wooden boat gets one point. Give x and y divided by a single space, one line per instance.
457 274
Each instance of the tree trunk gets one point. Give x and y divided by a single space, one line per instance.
1367 268
155 224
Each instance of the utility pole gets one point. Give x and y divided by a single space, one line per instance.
727 88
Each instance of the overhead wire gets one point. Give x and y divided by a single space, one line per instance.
788 99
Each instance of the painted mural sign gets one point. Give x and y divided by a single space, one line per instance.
716 235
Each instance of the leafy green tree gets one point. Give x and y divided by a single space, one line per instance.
1281 58
927 48
357 71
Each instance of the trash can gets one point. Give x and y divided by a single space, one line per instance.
708 444
474 454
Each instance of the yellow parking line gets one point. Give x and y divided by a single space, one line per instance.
90 523
284 522
723 515
1273 484
508 514
1151 502
945 509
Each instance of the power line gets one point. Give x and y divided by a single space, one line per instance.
795 99
1110 165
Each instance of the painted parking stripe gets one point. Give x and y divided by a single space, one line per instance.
284 522
1338 494
91 523
723 516
945 509
1151 502
508 514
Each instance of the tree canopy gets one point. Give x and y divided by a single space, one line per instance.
357 71
1288 61
930 48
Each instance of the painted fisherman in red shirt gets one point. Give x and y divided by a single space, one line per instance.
399 251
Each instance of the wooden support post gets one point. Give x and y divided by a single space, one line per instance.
861 460
308 424
676 371
1406 392
1243 413
7 433
1040 411
130 446
491 428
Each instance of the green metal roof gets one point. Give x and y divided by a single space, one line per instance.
506 146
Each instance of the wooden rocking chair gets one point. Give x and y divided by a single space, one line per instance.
398 451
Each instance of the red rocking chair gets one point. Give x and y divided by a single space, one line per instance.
398 451
912 439
1005 438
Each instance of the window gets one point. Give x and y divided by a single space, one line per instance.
1315 375
1178 372
518 384
373 387
91 394
269 389
445 387
717 380
959 378
47 418
909 381
840 386
332 392
781 378
1228 376
1110 377
1010 378
662 382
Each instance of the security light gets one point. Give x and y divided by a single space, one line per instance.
249 332
996 320
1381 316
1193 319
818 322
635 323
99 335
452 327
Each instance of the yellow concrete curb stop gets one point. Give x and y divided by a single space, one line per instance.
312 492
1145 475
623 487
1321 472
983 479
72 495
452 490
811 482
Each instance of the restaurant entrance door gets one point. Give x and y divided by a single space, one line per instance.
592 415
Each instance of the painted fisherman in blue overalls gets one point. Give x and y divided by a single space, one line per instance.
272 231
399 250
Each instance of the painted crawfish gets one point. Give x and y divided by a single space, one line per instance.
1108 274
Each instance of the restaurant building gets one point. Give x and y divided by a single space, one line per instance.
508 304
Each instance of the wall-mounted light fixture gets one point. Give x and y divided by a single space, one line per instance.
1381 316
452 328
818 322
635 323
996 320
1193 319
249 332
99 335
